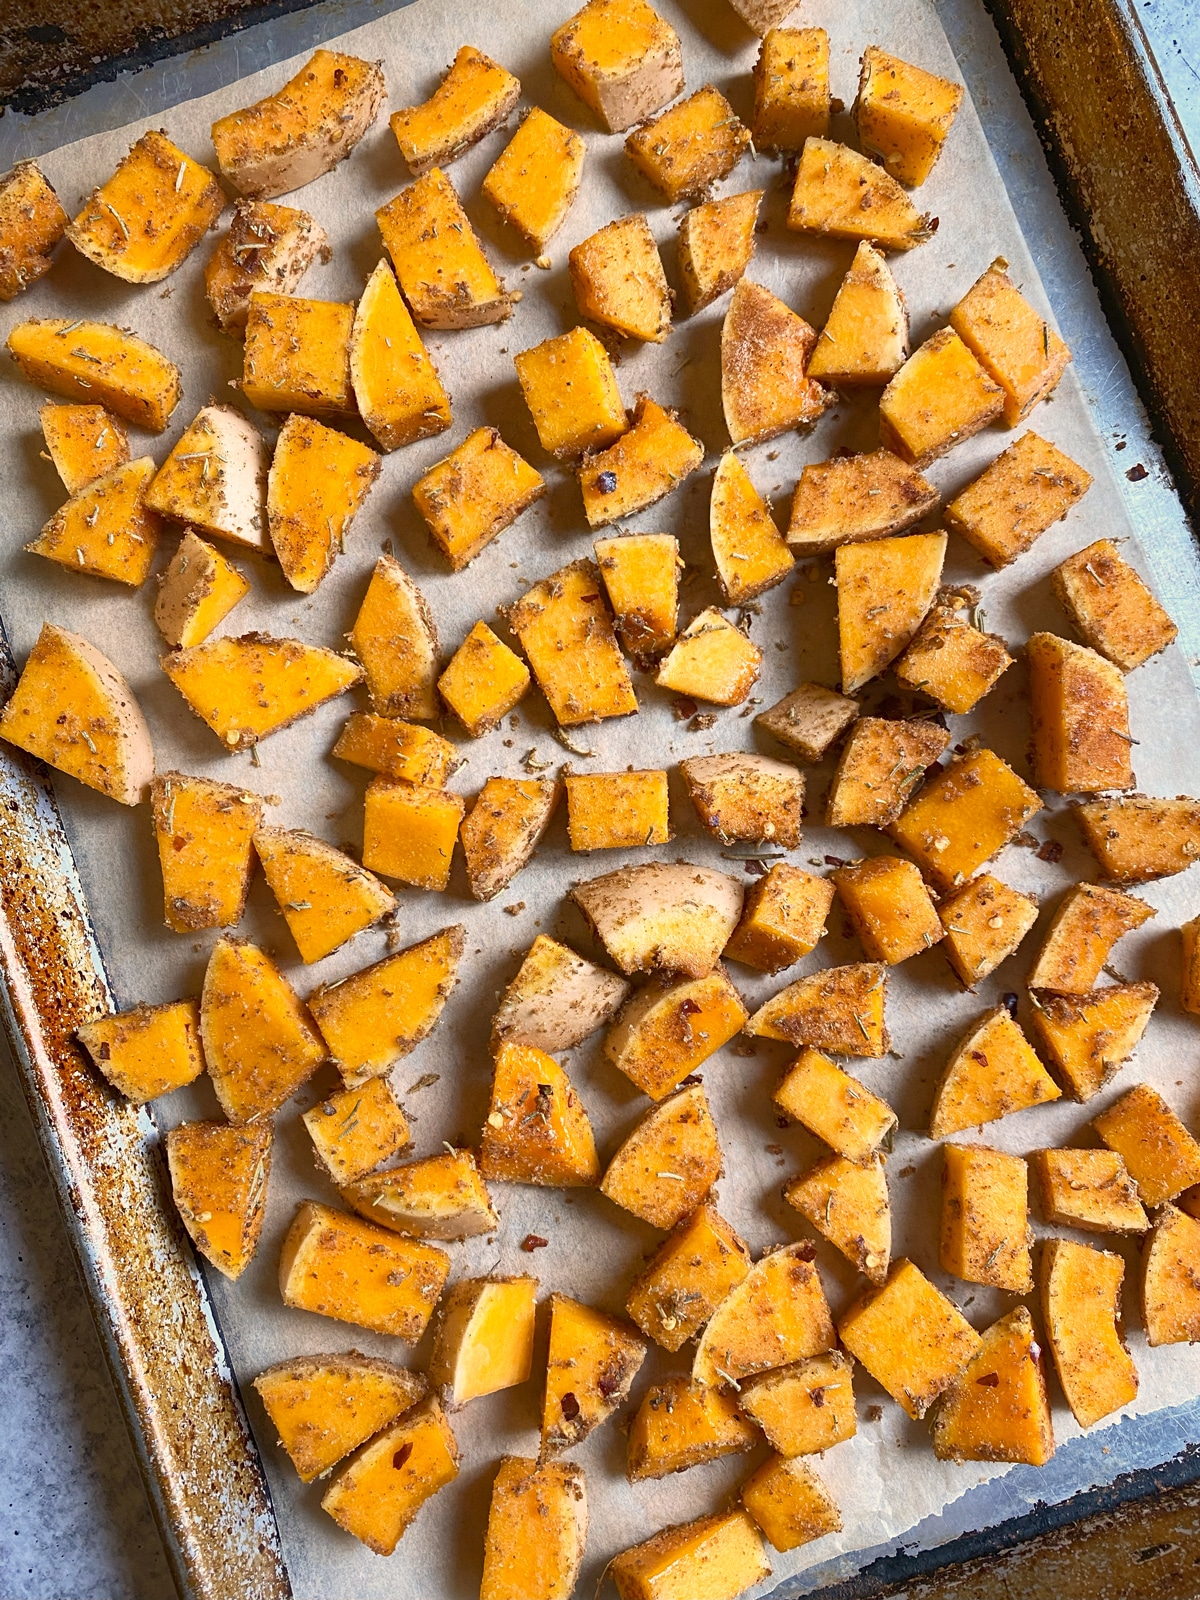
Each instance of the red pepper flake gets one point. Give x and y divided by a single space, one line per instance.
807 1252
688 1008
1136 474
692 1081
989 1380
684 707
834 861
570 1406
532 1242
402 1455
1050 851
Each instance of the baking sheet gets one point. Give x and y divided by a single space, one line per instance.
594 1250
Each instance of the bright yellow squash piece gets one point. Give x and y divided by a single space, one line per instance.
502 830
840 1009
885 588
749 552
998 1410
318 482
484 1339
985 1235
992 1073
647 462
148 1051
197 592
536 1130
247 688
765 349
903 114
691 146
356 1129
617 810
444 275
844 195
985 922
865 337
1089 1189
571 390
783 919
851 498
566 631
99 364
791 89
836 1108
1087 925
397 749
776 1315
395 639
805 1408
963 816
1080 713
84 443
669 1029
534 181
641 577
790 1503
667 1165
711 660
1081 1310
662 917
107 530
621 59
592 1361
939 397
847 1204
1162 1157
410 830
483 681
297 355
911 1339
480 489
718 1557
396 385
889 907
536 1531
618 280
259 1040
203 830
441 1197
326 898
1087 1037
1171 1281
219 1184
377 1496
1017 347
265 247
322 1407
475 96
680 1425
716 243
32 221
215 478
687 1279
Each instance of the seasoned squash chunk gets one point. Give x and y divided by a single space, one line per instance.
839 1109
484 1339
1189 986
267 247
32 221
889 907
215 478
396 385
1088 1189
844 195
939 397
911 1339
1016 346
621 59
566 632
395 639
475 96
865 337
474 494
1160 1154
1138 839
302 130
790 1503
662 917
616 810
746 797
378 1015
556 1000
985 921
536 1129
73 710
150 215
749 552
259 1040
687 1279
84 442
680 1425
765 347
646 463
776 1315
903 114
687 149
810 720
537 1528
397 749
852 498
247 688
318 482
1087 925
885 589
1027 489
197 592
985 1234
443 271
723 1553
1080 711
783 918
592 1361
963 816
618 280
1110 607
951 660
483 681
1171 1281
107 529
880 766
297 355
791 89
670 1161
847 1203
1088 1036
804 1408
998 1410
219 1185
502 830
322 1407
355 1130
441 1197
379 1493
1081 1309
534 181
204 831
711 660
840 1009
148 1051
991 1073
100 364
409 831
716 242
326 898
571 390
641 577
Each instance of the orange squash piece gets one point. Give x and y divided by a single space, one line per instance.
204 831
324 1406
484 1339
749 552
1080 713
83 442
722 1552
621 59
840 1009
1081 1310
984 922
1110 607
711 660
837 1108
1017 347
889 907
1162 1157
998 1410
591 1363
1087 1037
99 364
903 114
475 96
783 918
536 1129
686 149
985 1234
687 1279
963 816
32 221
939 397
571 390
565 630
1170 1291
395 638
318 483
441 1197
845 195
885 589
765 349
326 898
249 687
847 1203
680 1425
148 1051
1027 489
534 180
410 830
483 681
397 749
107 530
198 591
641 578
716 243
266 247
443 272
219 1183
396 386
377 1496
865 337
666 1166
297 355
648 461
668 1029
355 1130
480 489
536 1531
503 829
616 810
791 89
259 1040
618 280
805 1408
911 1339
790 1503
777 1314
992 1072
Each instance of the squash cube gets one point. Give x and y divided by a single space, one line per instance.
484 1339
680 1425
1087 925
474 494
783 918
397 749
534 180
646 463
441 1197
443 271
776 1315
297 355
865 337
84 442
667 1030
317 485
840 1009
502 830
1189 987
396 385
1088 1189
844 195
99 364
847 1203
326 898
215 478
749 552
641 577
475 96
536 1129
998 1410
810 720
716 242
805 1408
1088 1036
963 816
204 831
410 830
1027 489
885 589
984 922
951 660
1138 839
1110 607
1017 347
1081 1308
880 766
911 1339
664 1169
940 396
687 1279
985 1233
992 1073
687 149
556 1000
355 1130
743 797
247 688
377 1496
322 1407
1080 711
617 810
107 530
791 89
197 592
889 907
148 1051
790 1503
267 247
32 221
1171 1281
259 1040
852 498
536 1532
719 1557
618 280
621 59
851 1120
671 917
571 390
395 638
219 1185
483 681
711 660
566 632
765 349
592 1362
1160 1154
903 114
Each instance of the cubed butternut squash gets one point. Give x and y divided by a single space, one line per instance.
991 1073
985 1234
484 1339
249 687
998 1410
444 274
219 1184
852 1121
536 1531
865 337
618 280
641 578
259 1040
691 146
951 660
621 59
571 390
963 816
885 588
536 1129
1016 346
680 1425
765 349
148 1051
107 530
810 720
776 1315
791 89
1081 1309
1088 1189
397 749
483 681
322 1407
662 917
204 831
325 896
783 918
266 247
196 593
903 114
395 638
215 478
806 1408
591 1364
847 1203
480 489
843 194
1028 487
377 1496
745 797
1171 1280
889 907
1110 607
711 660
1161 1156
1139 838
1080 712
556 1000
410 830
910 1338
297 355
840 1010
534 180
749 552
355 1130
617 810
985 922
668 1029
668 1163
648 461
100 364
318 483
1087 1037
502 830
790 1503
940 396
475 96
687 1278
719 1556
439 1197
396 385
716 243
32 221
565 629
83 442
880 767
857 497
1086 927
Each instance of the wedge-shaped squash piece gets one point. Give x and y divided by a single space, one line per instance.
1160 1154
939 397
765 348
148 1051
668 917
259 1040
1171 1281
150 215
884 590
1110 607
805 1408
441 1197
1140 838
641 577
326 898
840 1009
951 660
844 195
963 816
219 1184
322 1407
617 810
484 1339
395 639
73 710
621 59
1080 711
302 130
377 1496
716 242
556 1000
687 1279
903 114
746 797
204 831
483 681
749 552
879 769
536 1129
444 274
100 364
998 1410
777 1314
107 529
318 482
680 1425
711 660
355 1130
667 1030
536 1531
865 337
889 907
910 1338
480 489
475 96
852 498
992 1073
985 1234
1009 506
810 720
566 631
1088 1189
397 749
396 385
687 149
410 830
670 1161
647 462
790 1503
1189 987
32 221
249 687
84 442
373 1018
267 247
1017 347
197 592
984 921
1087 925
791 89
571 390
297 355
1081 1310
782 920
592 1361
502 830
722 1553
836 1107
534 181
215 478
847 1204
1088 1036
618 280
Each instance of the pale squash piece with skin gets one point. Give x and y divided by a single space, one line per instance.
409 832
484 1338
1140 838
889 907
1087 926
1017 347
837 1108
198 591
724 1553
443 272
322 1407
648 461
840 1009
591 1364
107 530
395 638
687 1279
963 816
909 1337
879 769
249 687
618 280
745 797
885 589
1171 1280
810 720
806 1408
749 552
73 710
259 1040
475 96
691 146
148 1051
903 114
1080 714
396 386
570 387
783 919
852 498
397 749
938 398
483 681
326 898
844 195
536 1129
790 1503
1081 1310
1027 489
984 922
985 1235
776 1315
565 629
765 349
1087 1037
1110 607
667 1030
865 337
662 917
536 1531
716 243
1088 1189
534 181
998 1410
32 221
668 1164
556 1000
503 829
355 1130
267 248
992 1073
621 59
951 660
318 483
680 1425
377 1496
791 88
847 1203
99 364
297 355
84 442
1162 1157
711 660
219 1185
480 489
641 578
617 810
441 1197
204 831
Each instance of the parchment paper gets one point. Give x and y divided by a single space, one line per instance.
886 1479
